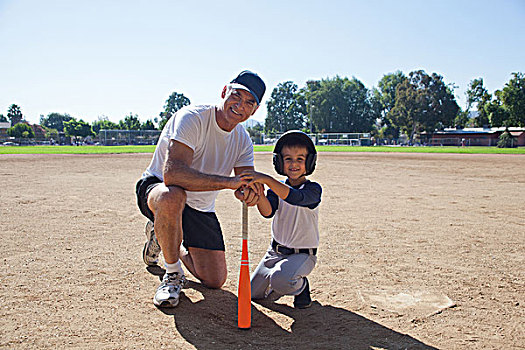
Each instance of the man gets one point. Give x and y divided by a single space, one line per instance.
194 158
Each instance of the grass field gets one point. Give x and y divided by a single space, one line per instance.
150 149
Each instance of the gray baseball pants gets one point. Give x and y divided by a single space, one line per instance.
281 274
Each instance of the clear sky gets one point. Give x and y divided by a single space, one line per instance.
111 58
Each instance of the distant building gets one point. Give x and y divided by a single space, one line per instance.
472 136
3 130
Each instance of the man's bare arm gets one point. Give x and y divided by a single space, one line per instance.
177 172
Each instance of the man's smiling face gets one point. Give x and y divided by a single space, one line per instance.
238 105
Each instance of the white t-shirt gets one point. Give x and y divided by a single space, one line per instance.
215 151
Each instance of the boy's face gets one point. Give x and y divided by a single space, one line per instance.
294 160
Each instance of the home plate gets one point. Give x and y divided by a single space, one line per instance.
415 303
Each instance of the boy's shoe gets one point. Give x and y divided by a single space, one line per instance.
168 292
303 300
151 251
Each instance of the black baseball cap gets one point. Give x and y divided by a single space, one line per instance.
250 82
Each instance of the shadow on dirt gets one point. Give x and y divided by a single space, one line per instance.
211 323
156 270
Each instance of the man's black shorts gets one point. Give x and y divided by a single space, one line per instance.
200 229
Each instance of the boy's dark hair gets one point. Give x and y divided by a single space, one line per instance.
290 139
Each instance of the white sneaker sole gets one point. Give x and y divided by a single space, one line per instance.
166 303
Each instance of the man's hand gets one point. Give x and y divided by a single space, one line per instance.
236 182
250 195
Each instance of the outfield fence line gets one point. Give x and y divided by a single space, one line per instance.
115 137
332 139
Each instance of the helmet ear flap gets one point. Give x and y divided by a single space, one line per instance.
311 160
278 163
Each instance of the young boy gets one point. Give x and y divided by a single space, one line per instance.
294 206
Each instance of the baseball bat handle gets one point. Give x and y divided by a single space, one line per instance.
244 220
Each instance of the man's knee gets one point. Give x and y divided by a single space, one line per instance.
209 266
167 198
215 281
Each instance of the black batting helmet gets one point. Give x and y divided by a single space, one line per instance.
294 138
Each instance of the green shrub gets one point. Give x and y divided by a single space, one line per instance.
506 140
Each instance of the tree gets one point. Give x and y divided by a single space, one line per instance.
505 108
311 87
388 131
496 114
130 122
506 140
477 94
55 121
383 100
3 119
386 91
462 120
256 133
175 102
406 111
21 130
148 125
14 114
51 133
80 128
286 109
340 105
513 99
103 122
423 103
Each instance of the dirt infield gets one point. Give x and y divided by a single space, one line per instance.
417 251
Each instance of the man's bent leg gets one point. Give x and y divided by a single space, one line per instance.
167 204
209 266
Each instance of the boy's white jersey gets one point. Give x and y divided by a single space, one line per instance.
296 226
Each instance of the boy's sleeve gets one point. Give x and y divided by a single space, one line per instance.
308 196
274 202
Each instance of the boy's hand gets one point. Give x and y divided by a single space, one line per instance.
247 175
252 176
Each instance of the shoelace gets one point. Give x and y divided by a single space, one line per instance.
175 280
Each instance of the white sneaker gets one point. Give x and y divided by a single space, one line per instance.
168 292
151 251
